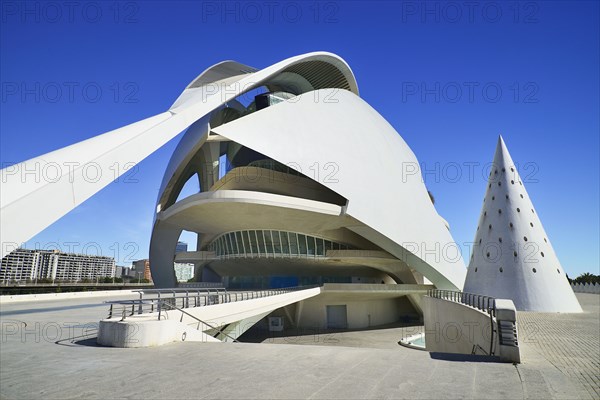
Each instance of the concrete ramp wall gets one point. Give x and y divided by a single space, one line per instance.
452 327
174 326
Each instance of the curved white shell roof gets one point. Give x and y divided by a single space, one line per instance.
370 158
323 126
21 194
394 209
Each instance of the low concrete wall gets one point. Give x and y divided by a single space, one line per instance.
147 331
363 312
61 296
585 288
452 327
455 328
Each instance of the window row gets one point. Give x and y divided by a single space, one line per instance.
254 243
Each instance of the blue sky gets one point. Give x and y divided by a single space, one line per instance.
449 77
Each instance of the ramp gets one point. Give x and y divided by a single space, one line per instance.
170 315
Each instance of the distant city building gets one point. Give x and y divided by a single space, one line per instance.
141 269
184 271
119 271
25 264
181 247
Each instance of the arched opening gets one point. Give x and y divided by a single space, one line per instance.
184 266
190 187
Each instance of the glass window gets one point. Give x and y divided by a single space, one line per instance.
246 243
253 242
228 248
276 242
302 244
268 242
311 245
223 244
234 249
293 243
258 242
240 242
261 242
249 242
227 244
320 247
285 243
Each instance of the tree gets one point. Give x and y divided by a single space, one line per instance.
587 278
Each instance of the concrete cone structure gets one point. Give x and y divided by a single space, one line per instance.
512 256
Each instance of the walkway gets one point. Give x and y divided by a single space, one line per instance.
569 342
40 362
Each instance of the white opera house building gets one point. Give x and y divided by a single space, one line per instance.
298 182
301 182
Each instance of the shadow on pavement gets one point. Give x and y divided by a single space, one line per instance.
260 333
84 340
464 357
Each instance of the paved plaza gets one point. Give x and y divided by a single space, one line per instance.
48 351
568 342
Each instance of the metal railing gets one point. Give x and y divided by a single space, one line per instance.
478 301
187 298
218 330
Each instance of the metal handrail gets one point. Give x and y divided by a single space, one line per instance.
190 298
478 301
219 330
156 304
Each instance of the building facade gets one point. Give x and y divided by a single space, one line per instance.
30 265
301 182
184 271
181 246
140 269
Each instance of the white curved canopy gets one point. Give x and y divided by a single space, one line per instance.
29 204
369 158
329 124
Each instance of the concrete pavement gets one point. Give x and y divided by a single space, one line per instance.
55 356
